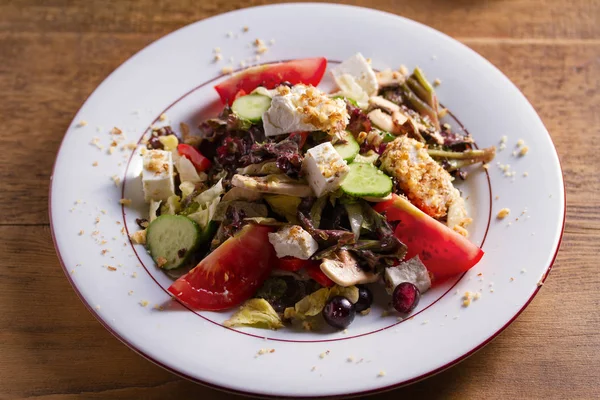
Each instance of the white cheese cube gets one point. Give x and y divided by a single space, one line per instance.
357 67
324 168
157 175
412 271
304 108
293 241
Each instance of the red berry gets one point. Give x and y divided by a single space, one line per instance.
406 297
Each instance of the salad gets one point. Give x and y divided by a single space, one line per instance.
291 202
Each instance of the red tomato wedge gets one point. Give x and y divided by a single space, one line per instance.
315 273
309 71
200 162
292 264
444 252
230 274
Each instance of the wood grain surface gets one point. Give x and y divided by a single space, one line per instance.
54 53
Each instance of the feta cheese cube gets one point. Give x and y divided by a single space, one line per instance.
357 67
412 271
324 168
157 175
293 241
304 108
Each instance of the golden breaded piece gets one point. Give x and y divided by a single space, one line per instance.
426 184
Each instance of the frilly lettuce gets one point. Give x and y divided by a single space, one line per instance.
257 313
187 171
314 303
172 206
208 202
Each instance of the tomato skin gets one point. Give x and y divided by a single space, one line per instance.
443 251
230 274
308 71
292 264
200 162
315 273
303 136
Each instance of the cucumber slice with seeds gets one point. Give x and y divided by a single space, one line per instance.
251 107
348 150
366 180
172 239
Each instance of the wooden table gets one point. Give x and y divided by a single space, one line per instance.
54 53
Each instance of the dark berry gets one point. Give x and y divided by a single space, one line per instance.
365 299
406 297
339 312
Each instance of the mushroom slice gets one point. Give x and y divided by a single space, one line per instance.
344 270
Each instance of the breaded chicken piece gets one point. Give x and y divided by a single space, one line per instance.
426 184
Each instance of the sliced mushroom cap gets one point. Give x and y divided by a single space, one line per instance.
383 121
278 184
388 78
344 270
384 104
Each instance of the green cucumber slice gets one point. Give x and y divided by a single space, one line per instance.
251 107
348 150
172 239
366 180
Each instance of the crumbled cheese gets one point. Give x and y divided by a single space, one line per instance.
503 213
503 139
404 70
217 50
272 42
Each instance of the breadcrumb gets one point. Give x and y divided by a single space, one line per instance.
524 150
218 57
503 213
163 117
227 70
82 123
144 303
125 202
381 374
95 164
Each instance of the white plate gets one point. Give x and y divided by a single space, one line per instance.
175 75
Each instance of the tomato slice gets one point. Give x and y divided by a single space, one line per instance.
443 251
309 71
229 275
315 273
200 162
292 264
303 136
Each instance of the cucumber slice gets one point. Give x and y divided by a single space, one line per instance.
172 239
348 150
251 107
366 180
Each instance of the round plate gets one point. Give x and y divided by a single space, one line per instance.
97 166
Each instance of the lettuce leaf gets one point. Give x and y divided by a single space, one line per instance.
257 313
